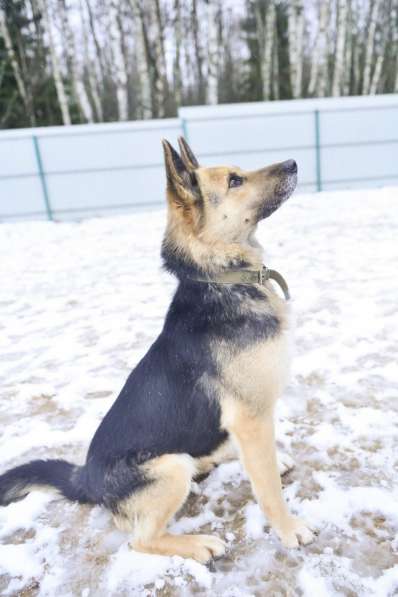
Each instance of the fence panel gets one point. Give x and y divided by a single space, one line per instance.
84 170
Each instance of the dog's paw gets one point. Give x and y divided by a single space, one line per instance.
206 547
285 463
294 532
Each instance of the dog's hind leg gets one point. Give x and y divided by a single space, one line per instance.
150 509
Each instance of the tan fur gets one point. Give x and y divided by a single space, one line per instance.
254 437
252 380
219 233
148 511
255 375
171 475
183 233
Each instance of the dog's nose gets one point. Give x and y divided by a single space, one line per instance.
289 166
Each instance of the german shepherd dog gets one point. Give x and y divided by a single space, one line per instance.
208 384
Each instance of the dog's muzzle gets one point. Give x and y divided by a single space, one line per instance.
283 189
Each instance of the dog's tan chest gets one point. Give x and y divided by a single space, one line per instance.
257 374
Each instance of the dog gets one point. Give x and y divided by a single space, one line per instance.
206 389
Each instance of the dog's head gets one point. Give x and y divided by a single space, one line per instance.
221 206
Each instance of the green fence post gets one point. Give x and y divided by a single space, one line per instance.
42 177
318 151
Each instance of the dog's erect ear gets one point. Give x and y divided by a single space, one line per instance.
179 179
187 155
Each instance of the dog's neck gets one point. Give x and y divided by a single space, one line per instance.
187 257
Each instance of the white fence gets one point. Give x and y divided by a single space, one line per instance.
73 172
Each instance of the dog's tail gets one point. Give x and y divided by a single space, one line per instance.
63 476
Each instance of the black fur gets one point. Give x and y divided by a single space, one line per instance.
15 483
168 404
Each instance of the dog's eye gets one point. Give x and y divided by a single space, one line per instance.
235 181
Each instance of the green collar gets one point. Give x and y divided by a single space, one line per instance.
248 276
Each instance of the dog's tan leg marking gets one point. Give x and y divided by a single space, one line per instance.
149 511
255 438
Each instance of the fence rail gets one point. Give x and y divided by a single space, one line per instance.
83 170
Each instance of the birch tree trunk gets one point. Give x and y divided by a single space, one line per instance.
159 58
260 34
265 36
275 61
91 68
322 78
192 85
99 54
296 37
356 83
387 24
56 68
376 75
348 50
120 70
369 47
338 70
394 36
79 90
213 53
198 50
143 69
5 34
36 17
292 35
300 47
177 56
270 26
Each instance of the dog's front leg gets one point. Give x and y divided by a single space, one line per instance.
255 439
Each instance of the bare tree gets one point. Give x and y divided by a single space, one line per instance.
265 36
394 21
213 56
159 58
93 30
143 68
348 53
376 75
17 71
318 75
369 46
296 38
94 86
177 53
275 67
338 71
120 69
198 48
55 63
79 90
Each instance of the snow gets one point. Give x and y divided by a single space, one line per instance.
80 304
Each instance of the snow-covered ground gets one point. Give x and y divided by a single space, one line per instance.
81 302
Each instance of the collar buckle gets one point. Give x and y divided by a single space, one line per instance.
263 275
